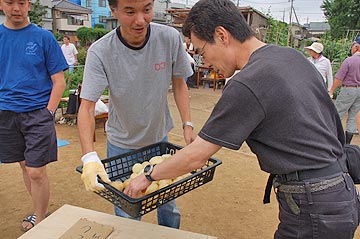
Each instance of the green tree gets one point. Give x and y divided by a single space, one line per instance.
277 32
342 15
58 36
99 25
37 12
89 35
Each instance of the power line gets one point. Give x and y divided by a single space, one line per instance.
268 3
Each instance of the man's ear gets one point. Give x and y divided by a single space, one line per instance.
221 34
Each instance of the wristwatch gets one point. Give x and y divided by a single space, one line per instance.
148 170
187 123
51 112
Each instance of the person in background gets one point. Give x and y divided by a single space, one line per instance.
190 81
31 86
278 105
348 100
189 46
137 62
321 63
70 52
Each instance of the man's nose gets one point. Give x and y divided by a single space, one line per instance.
16 6
139 18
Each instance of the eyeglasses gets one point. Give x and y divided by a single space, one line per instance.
201 52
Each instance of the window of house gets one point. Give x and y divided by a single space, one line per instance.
102 19
88 3
113 24
75 20
48 13
102 3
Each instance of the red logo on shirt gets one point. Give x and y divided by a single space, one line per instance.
160 66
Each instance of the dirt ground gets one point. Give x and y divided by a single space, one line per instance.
229 207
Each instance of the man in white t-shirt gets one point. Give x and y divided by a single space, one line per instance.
70 52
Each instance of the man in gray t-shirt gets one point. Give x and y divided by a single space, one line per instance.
137 62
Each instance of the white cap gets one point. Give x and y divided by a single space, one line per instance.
316 46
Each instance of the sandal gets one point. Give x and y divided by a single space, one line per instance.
31 219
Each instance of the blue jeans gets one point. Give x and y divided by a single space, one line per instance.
168 214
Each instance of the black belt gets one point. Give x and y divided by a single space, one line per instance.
311 173
353 86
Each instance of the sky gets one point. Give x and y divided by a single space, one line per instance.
305 10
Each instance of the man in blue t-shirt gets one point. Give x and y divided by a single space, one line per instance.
31 85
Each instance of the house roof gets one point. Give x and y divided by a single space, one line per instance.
64 5
298 25
251 9
319 26
182 13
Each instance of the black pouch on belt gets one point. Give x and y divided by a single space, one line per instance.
352 153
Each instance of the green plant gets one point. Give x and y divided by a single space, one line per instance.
82 51
276 32
58 36
89 35
99 25
335 49
37 12
73 80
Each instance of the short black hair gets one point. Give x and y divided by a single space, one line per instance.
206 15
114 3
67 37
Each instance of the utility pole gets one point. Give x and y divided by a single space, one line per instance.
297 20
237 3
290 22
283 18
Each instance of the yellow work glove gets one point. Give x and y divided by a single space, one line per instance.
92 167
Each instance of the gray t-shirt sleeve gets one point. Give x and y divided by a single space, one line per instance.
95 79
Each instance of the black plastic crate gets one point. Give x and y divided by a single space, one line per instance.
120 168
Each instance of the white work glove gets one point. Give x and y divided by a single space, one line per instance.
92 167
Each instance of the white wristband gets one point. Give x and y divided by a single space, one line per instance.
187 123
90 157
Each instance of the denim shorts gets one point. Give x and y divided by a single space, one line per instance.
28 136
332 213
